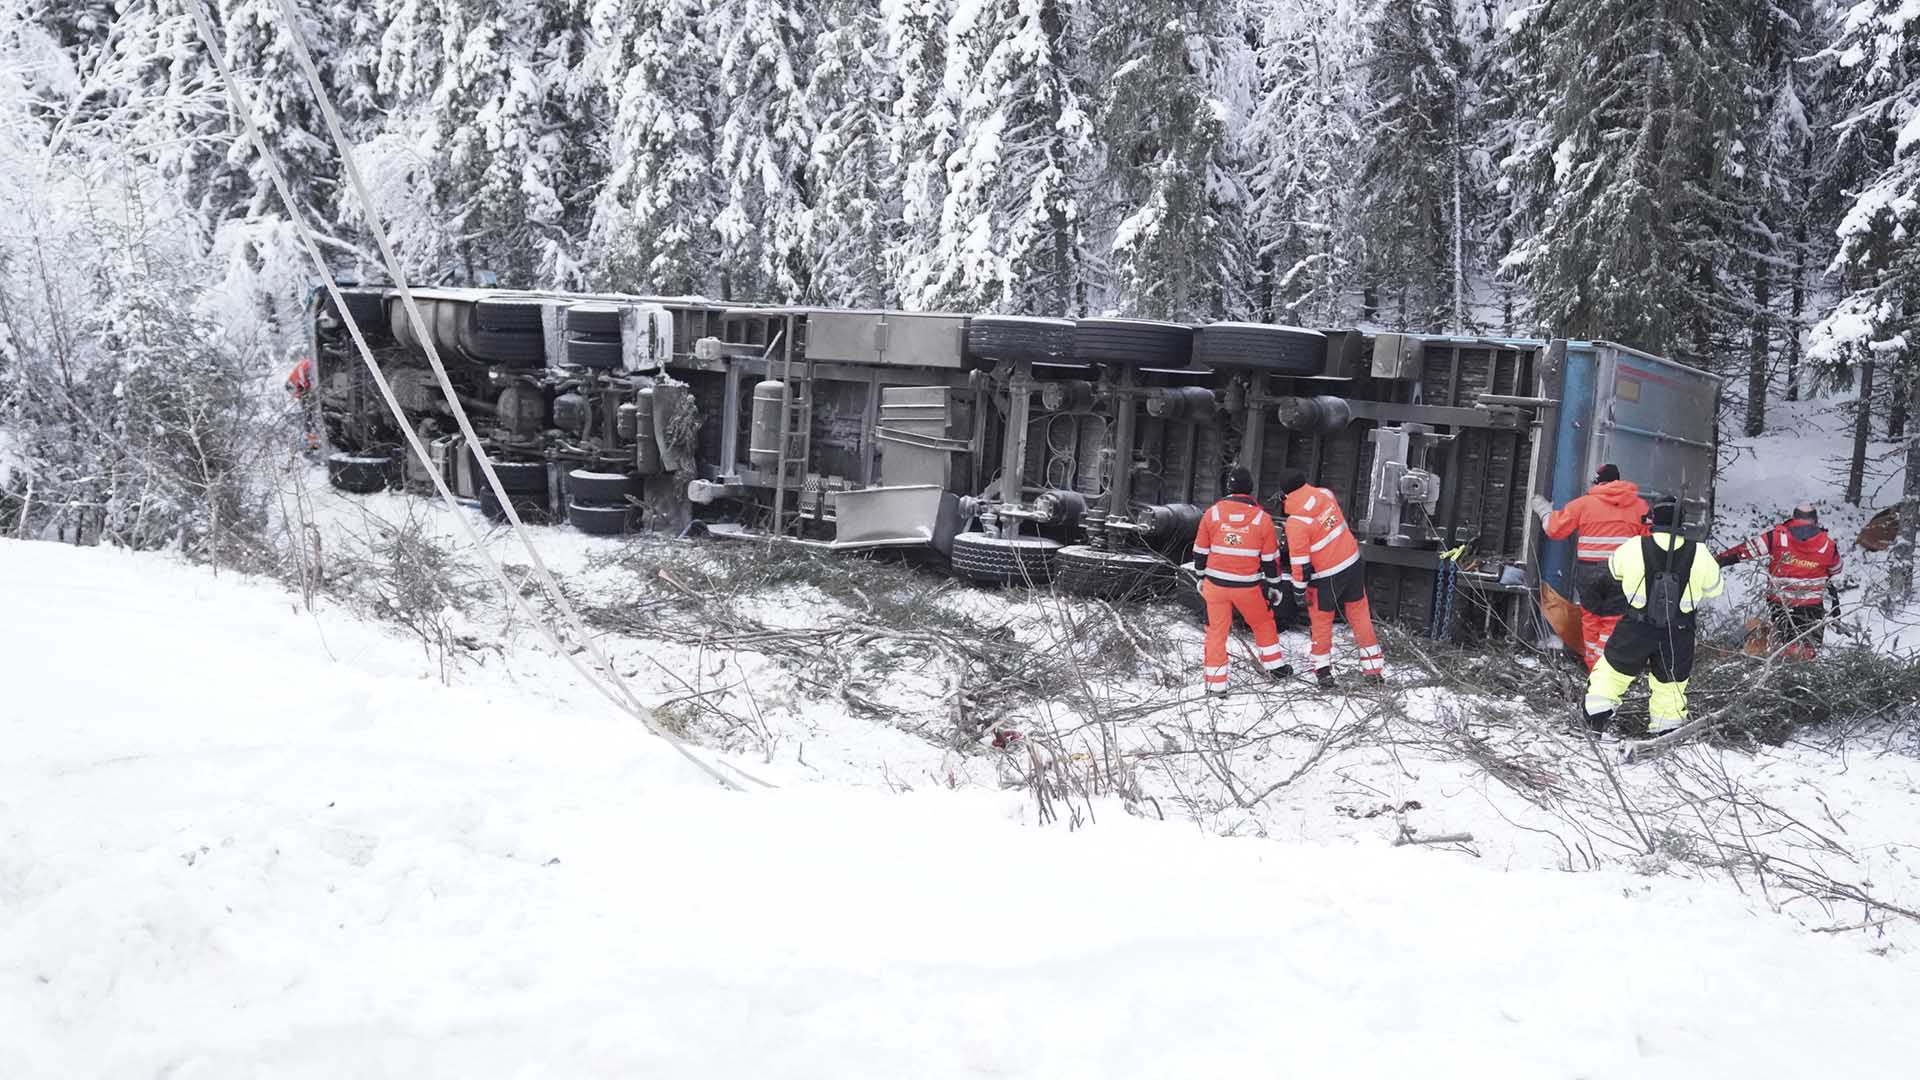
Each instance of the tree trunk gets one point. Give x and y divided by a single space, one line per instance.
1757 348
1897 403
1799 306
1862 431
1901 577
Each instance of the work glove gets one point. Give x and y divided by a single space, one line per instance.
1542 506
1833 593
1274 594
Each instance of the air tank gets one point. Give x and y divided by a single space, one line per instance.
763 444
646 446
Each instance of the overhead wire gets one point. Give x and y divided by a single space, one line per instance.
618 693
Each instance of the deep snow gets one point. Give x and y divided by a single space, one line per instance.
244 839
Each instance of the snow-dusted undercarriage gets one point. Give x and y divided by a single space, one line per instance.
1042 451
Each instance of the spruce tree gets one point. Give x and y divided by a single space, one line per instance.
1630 117
1878 261
1417 193
765 225
1013 228
856 211
1178 82
920 135
1304 148
652 226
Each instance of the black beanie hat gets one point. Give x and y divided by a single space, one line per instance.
1238 480
1664 515
1607 474
1292 480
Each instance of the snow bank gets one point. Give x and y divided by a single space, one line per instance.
243 839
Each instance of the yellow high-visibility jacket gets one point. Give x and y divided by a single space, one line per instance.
1629 566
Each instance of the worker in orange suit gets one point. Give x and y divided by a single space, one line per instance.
1326 567
1608 515
1237 552
300 385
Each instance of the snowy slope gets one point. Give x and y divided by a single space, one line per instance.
241 839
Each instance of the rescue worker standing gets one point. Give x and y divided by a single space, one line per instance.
300 385
1608 515
1803 564
1321 547
1664 577
1237 553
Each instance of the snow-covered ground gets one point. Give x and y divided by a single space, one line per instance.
242 838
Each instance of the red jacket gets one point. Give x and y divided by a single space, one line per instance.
1317 535
1802 559
300 379
1605 517
1236 545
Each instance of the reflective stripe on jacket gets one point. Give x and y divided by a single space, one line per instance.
1317 535
1629 566
1605 517
1237 545
1798 570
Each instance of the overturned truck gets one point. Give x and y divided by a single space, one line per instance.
1070 453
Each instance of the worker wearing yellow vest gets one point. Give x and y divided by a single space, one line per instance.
1665 578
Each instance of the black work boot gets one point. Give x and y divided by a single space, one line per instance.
1325 677
1284 671
1598 722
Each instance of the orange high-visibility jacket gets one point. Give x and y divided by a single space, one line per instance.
1317 535
1607 516
1236 546
1804 560
300 379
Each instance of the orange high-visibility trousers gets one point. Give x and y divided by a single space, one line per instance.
1595 632
1360 619
1222 602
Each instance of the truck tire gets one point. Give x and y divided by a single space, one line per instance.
1282 350
509 348
1139 342
515 316
1112 575
369 311
601 489
995 560
1006 337
600 520
593 352
594 320
531 508
518 478
361 474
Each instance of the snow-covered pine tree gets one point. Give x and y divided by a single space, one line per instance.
1631 113
1770 183
1418 193
652 225
1177 81
1013 229
766 225
499 127
1879 260
259 46
920 133
1303 151
856 210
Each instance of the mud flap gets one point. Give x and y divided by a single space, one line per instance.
896 517
1564 616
